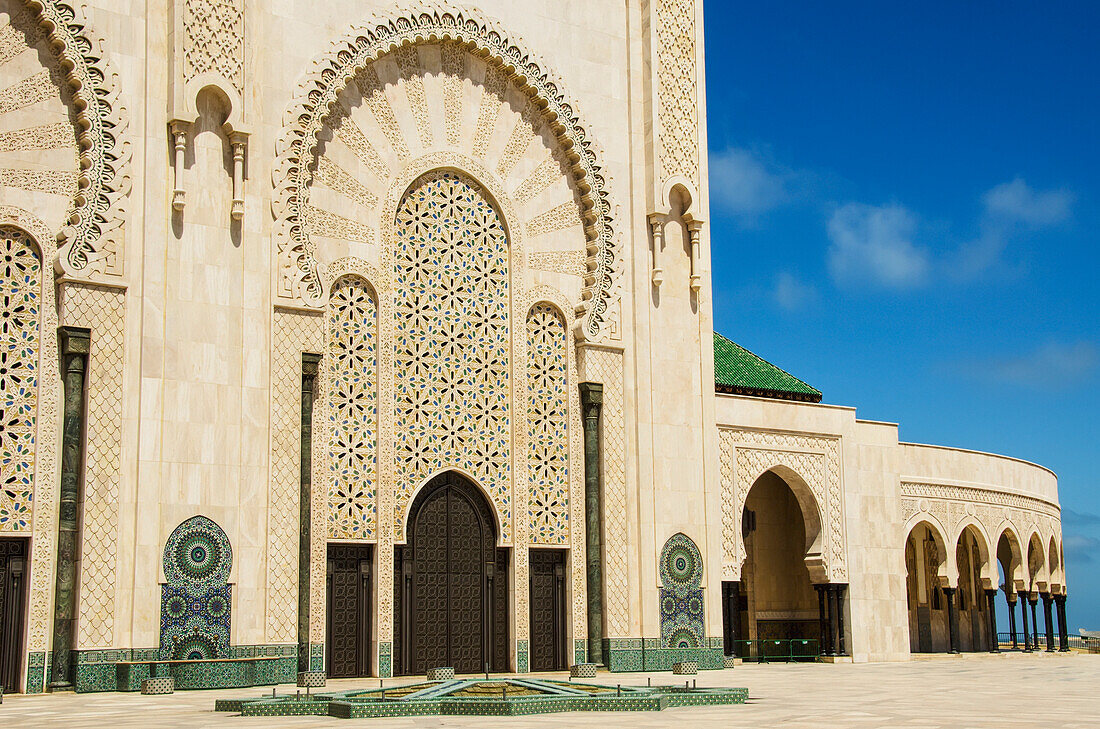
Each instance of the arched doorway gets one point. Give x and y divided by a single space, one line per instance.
971 556
781 533
452 582
928 620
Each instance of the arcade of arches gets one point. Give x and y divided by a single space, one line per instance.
952 605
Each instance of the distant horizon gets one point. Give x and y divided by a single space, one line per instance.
903 215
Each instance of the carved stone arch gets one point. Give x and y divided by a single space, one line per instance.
318 101
92 239
1054 564
472 481
985 553
1015 575
816 554
946 570
1036 561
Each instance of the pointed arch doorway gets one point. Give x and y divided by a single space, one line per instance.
452 583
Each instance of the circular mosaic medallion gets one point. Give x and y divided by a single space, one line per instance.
197 551
681 563
195 648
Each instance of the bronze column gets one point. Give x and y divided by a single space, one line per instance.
1011 600
1063 636
75 347
1023 612
305 511
994 644
1047 604
591 405
952 618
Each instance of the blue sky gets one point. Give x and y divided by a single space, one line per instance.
904 206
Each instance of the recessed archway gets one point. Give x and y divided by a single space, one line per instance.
451 582
781 527
925 555
972 560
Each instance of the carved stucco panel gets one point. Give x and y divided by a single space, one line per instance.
746 454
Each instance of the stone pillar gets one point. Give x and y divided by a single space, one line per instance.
1011 600
1033 600
591 405
840 590
991 598
1063 633
823 622
1047 605
952 618
305 512
75 346
1023 611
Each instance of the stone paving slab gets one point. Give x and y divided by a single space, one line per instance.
1007 692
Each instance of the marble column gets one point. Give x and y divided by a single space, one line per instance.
1049 618
591 405
305 496
75 347
952 618
991 598
1011 600
1023 612
1063 632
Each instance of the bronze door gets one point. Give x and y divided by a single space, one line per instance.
13 556
547 600
449 613
347 653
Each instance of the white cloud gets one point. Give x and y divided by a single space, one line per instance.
1016 202
1053 365
792 294
741 183
874 245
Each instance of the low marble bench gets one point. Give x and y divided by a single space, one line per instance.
441 673
685 668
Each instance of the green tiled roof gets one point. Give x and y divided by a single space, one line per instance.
740 372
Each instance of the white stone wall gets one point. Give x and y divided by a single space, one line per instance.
888 487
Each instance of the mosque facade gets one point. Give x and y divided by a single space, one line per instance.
370 338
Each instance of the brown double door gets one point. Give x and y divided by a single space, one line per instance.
547 610
13 561
451 583
349 609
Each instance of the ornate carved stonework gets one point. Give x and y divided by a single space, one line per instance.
677 90
93 235
102 310
364 59
213 40
606 366
746 454
46 443
950 509
294 333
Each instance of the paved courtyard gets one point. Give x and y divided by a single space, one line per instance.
1008 691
